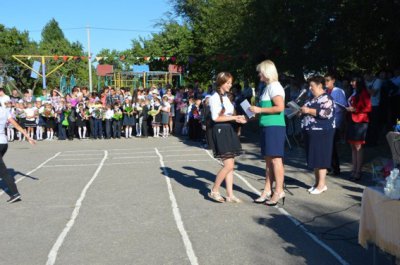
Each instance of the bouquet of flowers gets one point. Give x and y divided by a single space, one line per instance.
47 113
20 114
66 114
117 116
86 114
153 112
129 111
97 113
196 115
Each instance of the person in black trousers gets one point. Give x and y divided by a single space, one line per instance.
145 117
10 186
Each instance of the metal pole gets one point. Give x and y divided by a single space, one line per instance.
44 71
89 62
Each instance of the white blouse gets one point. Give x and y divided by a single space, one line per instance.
216 106
4 116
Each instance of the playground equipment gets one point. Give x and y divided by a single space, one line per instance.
65 58
64 87
139 77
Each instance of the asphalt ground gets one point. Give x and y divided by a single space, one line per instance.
144 201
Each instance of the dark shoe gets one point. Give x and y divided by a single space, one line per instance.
14 198
357 176
333 172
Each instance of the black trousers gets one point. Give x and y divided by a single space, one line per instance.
71 130
108 125
145 128
10 184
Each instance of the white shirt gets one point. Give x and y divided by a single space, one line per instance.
4 116
272 90
216 106
109 114
30 112
4 99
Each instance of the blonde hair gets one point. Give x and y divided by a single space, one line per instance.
268 69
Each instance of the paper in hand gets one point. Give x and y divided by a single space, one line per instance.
292 110
246 107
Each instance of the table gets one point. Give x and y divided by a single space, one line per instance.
380 221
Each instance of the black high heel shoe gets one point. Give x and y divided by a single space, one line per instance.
274 203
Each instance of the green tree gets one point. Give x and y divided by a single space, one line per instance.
53 42
14 42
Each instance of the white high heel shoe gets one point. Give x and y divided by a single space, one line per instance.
316 191
263 199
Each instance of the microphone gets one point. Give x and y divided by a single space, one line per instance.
293 106
299 97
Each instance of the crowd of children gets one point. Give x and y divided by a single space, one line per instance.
111 113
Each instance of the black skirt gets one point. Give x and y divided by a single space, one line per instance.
356 132
29 123
226 141
50 122
80 122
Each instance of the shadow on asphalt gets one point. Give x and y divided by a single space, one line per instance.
340 235
195 181
13 173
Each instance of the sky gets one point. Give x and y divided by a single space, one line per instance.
126 20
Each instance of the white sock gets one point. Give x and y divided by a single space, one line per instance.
38 132
19 135
80 132
84 132
126 132
51 135
130 131
48 134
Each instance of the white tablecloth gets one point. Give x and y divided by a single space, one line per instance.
380 221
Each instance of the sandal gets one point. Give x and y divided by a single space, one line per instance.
263 198
215 196
233 199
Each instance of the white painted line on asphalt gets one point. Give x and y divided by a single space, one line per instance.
178 219
165 161
188 160
80 155
191 154
71 165
54 250
169 151
147 148
82 151
79 159
291 218
132 157
133 153
33 170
